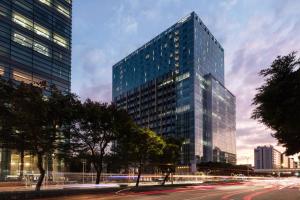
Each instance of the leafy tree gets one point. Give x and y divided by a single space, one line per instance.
170 156
94 131
278 101
139 145
6 113
31 115
63 108
40 119
8 135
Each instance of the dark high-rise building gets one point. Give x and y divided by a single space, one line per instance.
35 46
267 157
174 84
35 41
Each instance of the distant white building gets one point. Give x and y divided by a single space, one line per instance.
284 161
291 163
267 157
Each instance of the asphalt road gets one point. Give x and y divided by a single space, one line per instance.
278 189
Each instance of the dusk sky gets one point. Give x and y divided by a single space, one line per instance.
252 33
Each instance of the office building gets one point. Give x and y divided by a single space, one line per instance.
267 157
284 161
291 163
174 85
35 46
296 165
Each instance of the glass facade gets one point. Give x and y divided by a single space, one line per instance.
35 46
166 83
35 41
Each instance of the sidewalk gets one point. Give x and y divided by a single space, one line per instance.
104 189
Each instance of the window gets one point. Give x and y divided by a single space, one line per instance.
3 10
41 48
22 21
41 31
60 40
22 39
182 77
24 4
1 71
63 10
47 2
22 76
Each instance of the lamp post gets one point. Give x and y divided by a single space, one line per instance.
247 158
83 169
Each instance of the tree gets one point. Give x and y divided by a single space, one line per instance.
94 131
63 108
9 137
30 109
278 101
170 157
35 119
139 146
6 113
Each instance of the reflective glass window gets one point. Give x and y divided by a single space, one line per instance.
46 2
22 76
63 10
60 40
41 48
22 21
22 39
38 29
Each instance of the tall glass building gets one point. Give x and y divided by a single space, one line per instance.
174 84
35 46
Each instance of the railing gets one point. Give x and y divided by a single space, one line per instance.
82 180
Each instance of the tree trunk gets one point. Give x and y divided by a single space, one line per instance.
166 178
139 176
42 172
98 169
22 165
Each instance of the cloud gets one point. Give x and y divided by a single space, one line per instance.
130 24
252 33
93 59
99 92
263 37
228 4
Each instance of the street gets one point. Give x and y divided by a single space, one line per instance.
269 189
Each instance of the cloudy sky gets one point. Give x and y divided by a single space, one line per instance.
252 32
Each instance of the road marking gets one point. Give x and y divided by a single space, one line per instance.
122 190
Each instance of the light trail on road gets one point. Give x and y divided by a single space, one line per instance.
260 189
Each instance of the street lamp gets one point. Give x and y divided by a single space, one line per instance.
83 169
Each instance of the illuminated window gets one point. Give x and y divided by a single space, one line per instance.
41 31
47 2
60 40
63 10
1 71
182 77
22 39
182 109
22 21
41 48
22 77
